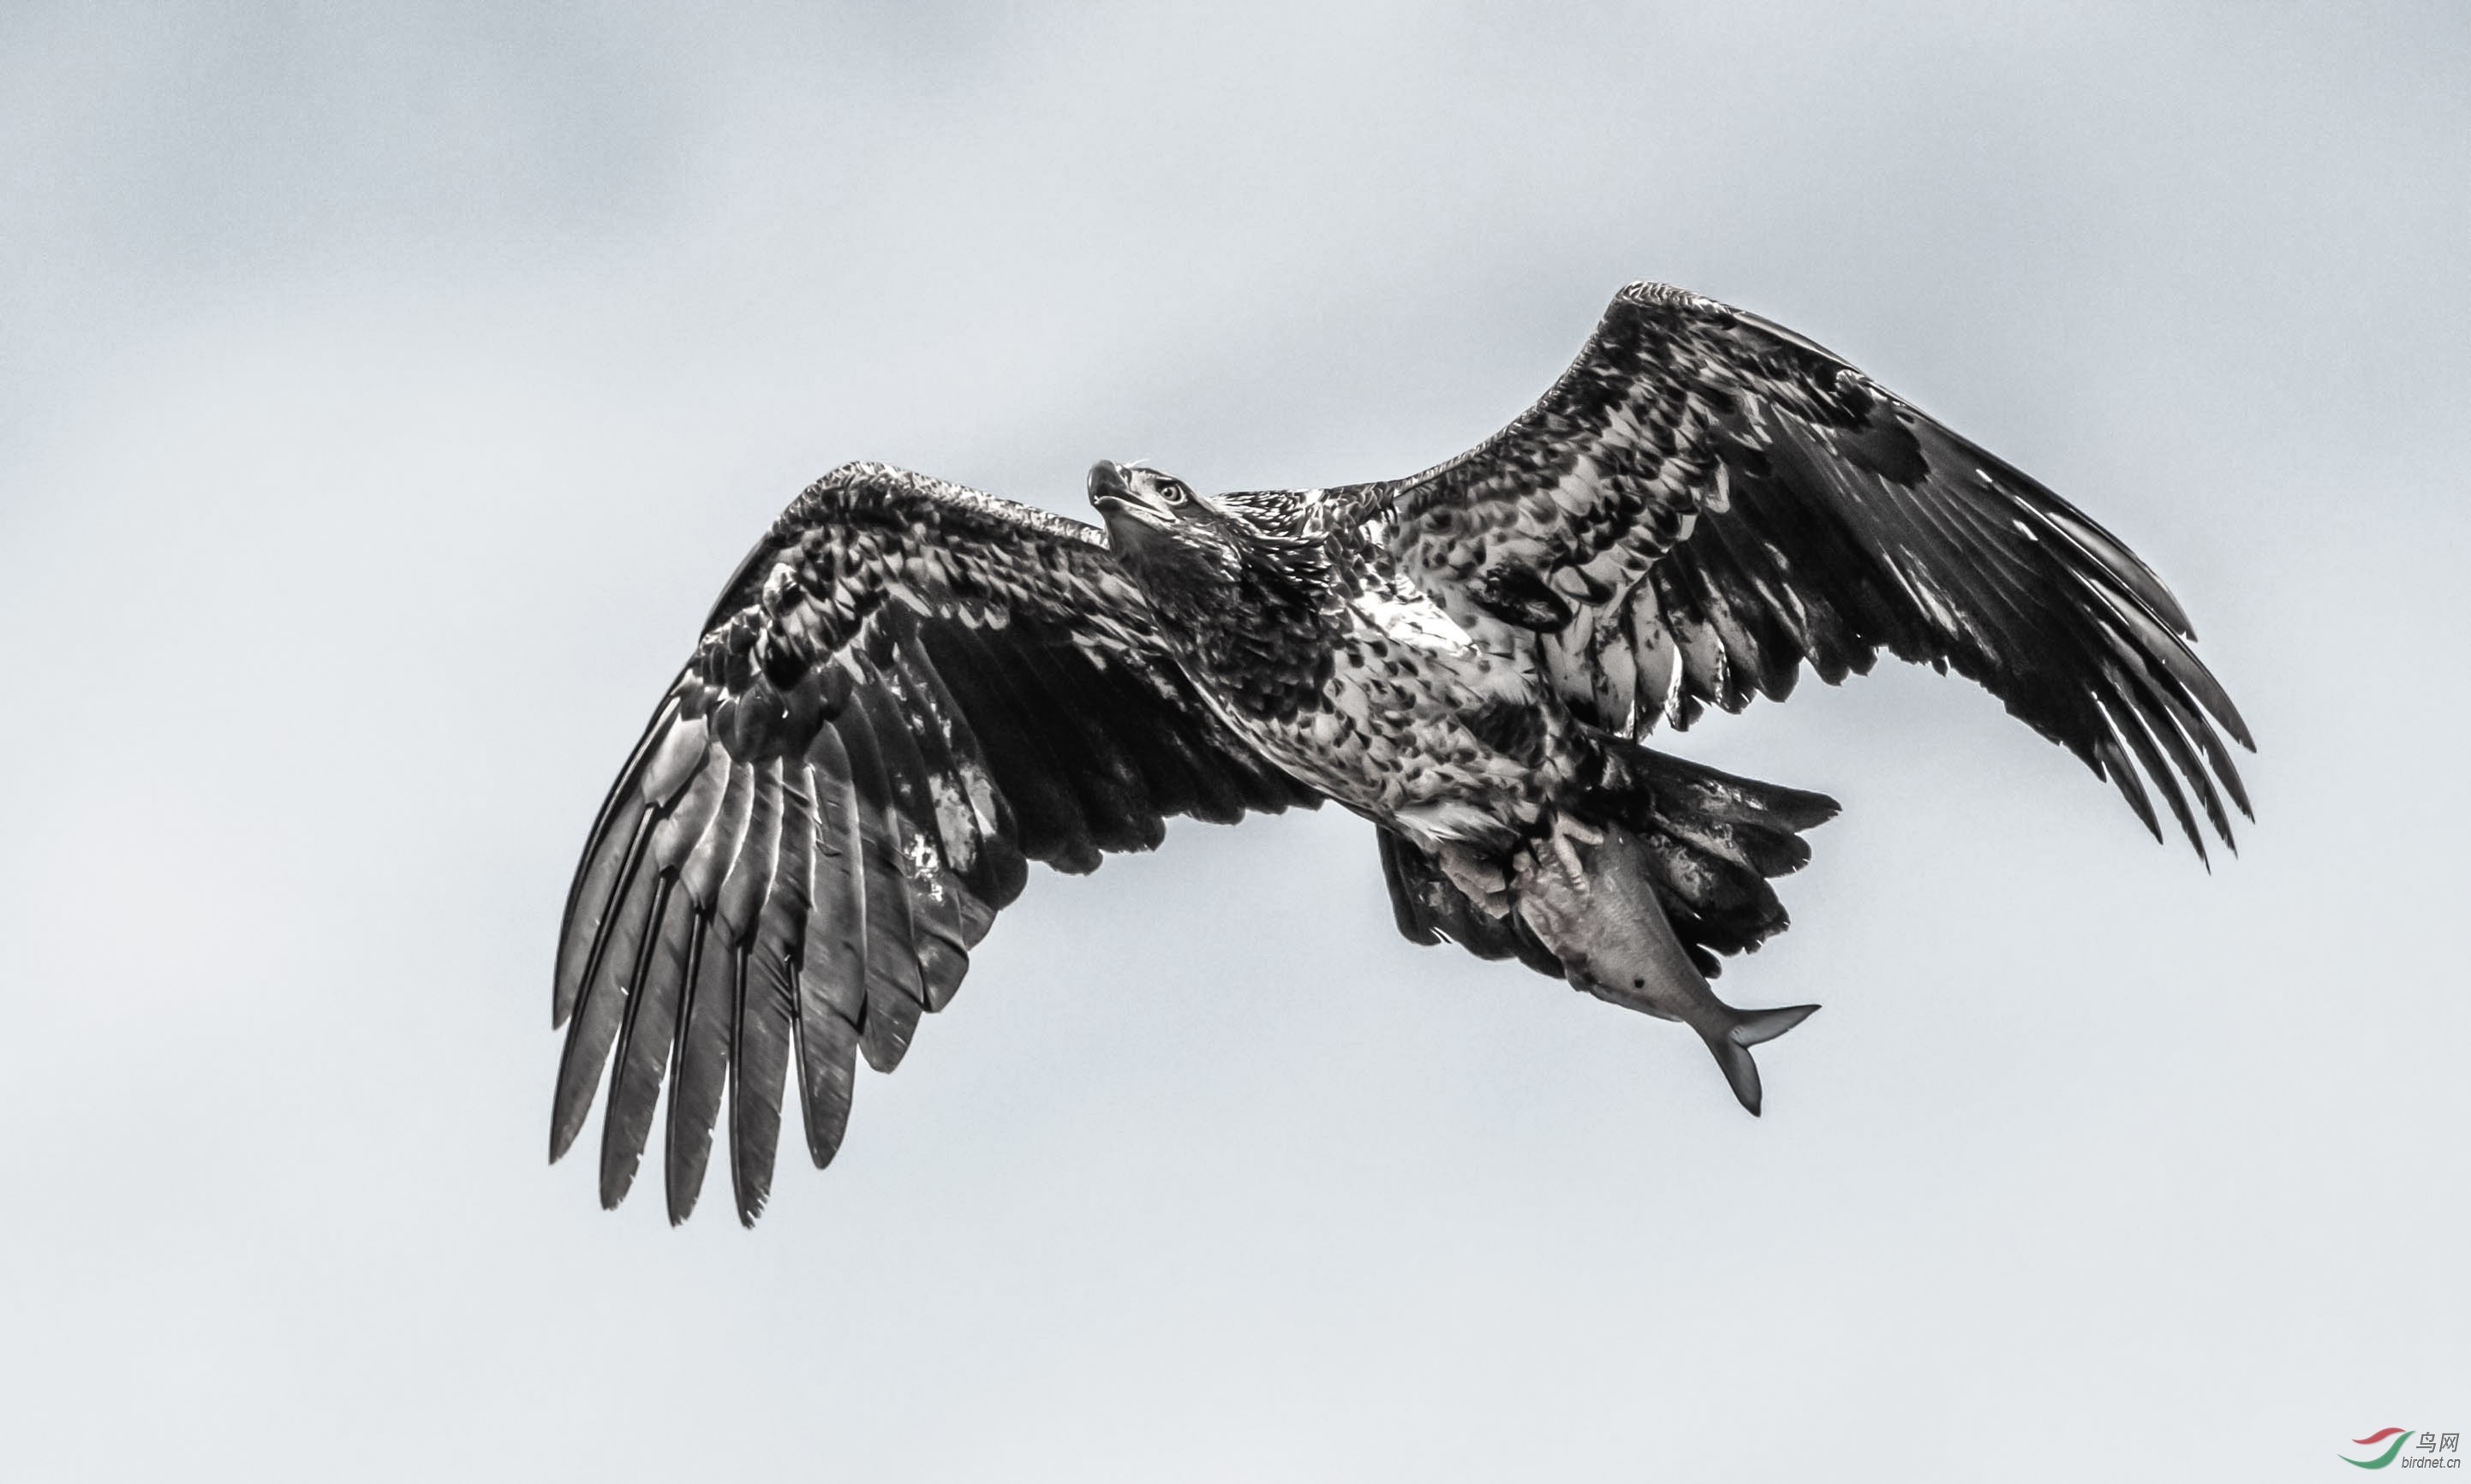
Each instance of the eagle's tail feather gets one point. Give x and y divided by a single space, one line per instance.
1712 840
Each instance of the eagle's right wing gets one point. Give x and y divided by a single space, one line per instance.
907 691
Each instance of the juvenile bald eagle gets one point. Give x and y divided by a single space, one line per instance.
909 690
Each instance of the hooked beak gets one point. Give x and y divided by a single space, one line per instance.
1112 493
1107 482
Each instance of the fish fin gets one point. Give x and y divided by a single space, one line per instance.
1730 1045
1752 1027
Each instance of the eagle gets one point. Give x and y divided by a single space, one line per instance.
909 690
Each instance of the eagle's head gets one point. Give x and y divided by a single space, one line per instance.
1236 586
1168 537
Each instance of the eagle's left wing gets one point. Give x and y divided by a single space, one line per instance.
1704 500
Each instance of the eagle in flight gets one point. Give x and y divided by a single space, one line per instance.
909 690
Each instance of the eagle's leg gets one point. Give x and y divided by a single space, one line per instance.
1484 876
1481 877
1569 832
1590 903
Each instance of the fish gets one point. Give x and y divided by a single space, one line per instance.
1587 897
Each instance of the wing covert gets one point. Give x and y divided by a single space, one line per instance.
907 691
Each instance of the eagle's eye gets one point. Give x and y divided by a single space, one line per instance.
1174 491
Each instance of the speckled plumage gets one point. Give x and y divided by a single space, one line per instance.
1314 647
908 690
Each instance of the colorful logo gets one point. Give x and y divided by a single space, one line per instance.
2432 1450
2400 1436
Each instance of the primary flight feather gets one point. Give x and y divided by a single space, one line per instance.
908 690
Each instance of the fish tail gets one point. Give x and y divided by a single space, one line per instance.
1731 1040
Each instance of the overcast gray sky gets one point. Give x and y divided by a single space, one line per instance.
384 396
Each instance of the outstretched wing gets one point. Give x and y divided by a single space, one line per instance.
1704 500
907 691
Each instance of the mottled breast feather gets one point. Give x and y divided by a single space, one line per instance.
1706 499
906 690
